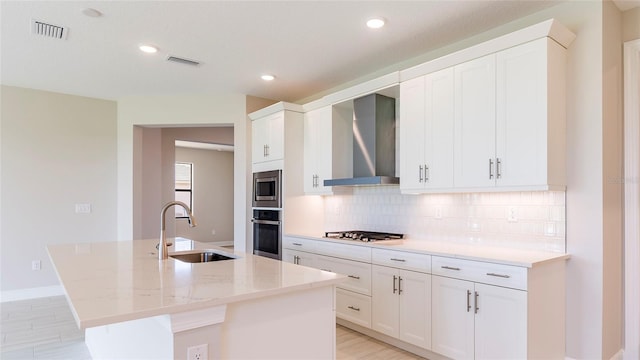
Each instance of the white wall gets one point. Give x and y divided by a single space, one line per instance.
212 195
57 150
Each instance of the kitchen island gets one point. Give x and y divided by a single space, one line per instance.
131 305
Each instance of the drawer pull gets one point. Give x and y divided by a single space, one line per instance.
498 275
326 270
450 268
297 244
401 260
475 300
468 301
354 277
353 308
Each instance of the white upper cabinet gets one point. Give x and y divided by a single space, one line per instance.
276 140
317 156
510 119
426 132
327 147
268 138
475 123
530 117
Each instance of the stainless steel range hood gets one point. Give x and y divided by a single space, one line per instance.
374 143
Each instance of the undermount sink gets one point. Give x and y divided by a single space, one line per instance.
200 256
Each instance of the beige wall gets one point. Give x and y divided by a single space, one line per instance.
631 24
57 150
212 195
612 174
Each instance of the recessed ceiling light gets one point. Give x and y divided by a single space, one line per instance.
375 23
267 77
91 12
149 49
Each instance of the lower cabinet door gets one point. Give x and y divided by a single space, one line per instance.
415 308
385 300
452 316
353 307
500 323
298 257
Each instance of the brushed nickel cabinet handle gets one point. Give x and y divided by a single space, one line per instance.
394 284
499 275
420 173
399 285
296 244
426 173
450 268
490 169
326 270
468 300
401 260
476 302
498 168
353 308
354 277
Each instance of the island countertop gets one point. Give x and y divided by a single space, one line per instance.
111 282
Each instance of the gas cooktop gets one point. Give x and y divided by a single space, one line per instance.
360 235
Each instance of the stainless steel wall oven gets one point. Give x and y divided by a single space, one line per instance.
267 233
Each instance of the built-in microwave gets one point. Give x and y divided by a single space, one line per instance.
267 189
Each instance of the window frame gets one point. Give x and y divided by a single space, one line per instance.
189 190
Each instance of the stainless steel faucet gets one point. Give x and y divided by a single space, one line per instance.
163 248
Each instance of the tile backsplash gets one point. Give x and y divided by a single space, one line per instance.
523 220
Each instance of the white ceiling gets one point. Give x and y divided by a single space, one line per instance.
310 46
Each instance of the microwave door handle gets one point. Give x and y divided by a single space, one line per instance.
266 222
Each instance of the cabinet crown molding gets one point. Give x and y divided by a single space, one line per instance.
551 28
272 109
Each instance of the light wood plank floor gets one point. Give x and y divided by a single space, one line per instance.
44 329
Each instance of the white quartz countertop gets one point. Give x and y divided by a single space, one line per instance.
110 282
479 252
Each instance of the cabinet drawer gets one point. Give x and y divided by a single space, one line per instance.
359 273
353 307
402 260
488 273
345 251
298 243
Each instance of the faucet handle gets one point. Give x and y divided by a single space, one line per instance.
158 245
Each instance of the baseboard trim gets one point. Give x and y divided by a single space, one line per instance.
31 293
427 354
617 356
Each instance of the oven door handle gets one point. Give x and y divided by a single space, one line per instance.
266 222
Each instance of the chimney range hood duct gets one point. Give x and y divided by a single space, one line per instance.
374 143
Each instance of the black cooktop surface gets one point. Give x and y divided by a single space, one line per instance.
360 235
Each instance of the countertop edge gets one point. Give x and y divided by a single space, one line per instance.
182 308
537 258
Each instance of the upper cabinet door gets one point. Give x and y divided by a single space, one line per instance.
275 149
523 115
475 124
268 138
439 127
412 134
317 155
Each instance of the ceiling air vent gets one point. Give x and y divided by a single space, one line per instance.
183 61
48 30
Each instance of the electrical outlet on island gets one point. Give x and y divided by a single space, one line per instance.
198 352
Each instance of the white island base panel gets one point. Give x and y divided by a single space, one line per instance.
297 325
